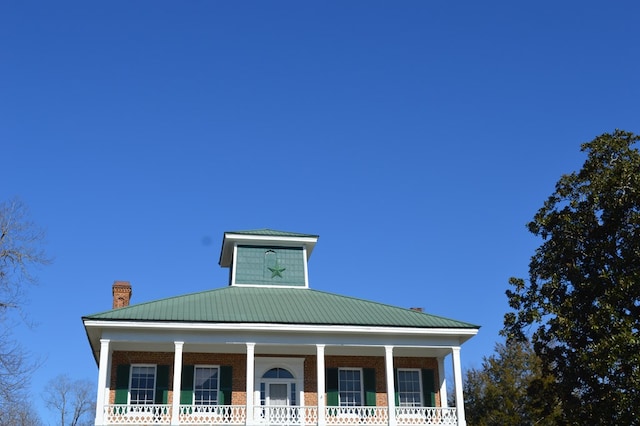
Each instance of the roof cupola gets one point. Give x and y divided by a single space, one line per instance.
265 257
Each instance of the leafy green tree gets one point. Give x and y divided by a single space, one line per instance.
581 304
509 389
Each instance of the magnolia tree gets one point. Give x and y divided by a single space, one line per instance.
581 303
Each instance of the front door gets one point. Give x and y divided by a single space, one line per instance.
278 394
279 399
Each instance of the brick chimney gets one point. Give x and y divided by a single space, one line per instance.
121 294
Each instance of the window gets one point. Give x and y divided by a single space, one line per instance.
143 384
206 385
277 373
409 388
350 387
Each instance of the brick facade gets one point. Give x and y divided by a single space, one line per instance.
239 370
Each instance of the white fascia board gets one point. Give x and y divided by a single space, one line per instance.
262 240
299 328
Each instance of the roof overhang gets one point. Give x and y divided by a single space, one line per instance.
157 332
232 239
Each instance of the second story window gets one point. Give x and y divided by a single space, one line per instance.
143 384
206 385
350 387
409 388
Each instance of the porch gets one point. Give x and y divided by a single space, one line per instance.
236 415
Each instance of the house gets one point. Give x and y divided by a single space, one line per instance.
269 350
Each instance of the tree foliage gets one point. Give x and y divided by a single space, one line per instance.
72 400
20 252
581 304
509 389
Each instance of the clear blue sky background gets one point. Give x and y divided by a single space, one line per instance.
416 138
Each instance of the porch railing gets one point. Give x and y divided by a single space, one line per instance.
160 414
426 416
212 414
157 414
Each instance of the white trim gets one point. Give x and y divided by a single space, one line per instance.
463 332
305 266
269 285
234 264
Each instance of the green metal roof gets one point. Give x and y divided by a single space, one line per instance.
277 305
271 233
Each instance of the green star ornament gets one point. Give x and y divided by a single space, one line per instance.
277 271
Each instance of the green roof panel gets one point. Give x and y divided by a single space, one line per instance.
277 305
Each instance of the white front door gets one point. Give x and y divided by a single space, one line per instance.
277 394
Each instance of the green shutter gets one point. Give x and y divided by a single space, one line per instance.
122 384
395 387
225 385
162 384
428 388
331 385
369 382
186 387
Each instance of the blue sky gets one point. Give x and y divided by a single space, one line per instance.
417 138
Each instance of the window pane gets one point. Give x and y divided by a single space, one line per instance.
205 386
142 384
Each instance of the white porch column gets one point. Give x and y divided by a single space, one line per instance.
457 380
391 392
444 400
177 380
322 403
251 347
101 398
